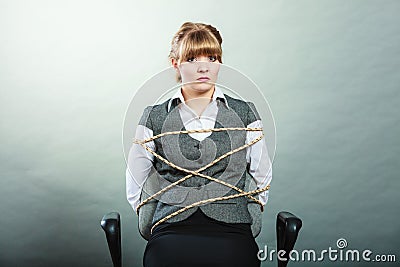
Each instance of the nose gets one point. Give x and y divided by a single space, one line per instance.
203 66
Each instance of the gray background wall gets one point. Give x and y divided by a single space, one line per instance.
68 69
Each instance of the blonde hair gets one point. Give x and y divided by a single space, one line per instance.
195 39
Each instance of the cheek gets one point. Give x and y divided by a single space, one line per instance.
187 72
214 69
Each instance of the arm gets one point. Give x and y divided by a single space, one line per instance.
139 166
260 166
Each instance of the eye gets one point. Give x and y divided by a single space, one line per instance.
191 59
212 58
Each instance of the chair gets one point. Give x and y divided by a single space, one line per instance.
287 229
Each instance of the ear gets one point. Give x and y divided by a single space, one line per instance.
174 63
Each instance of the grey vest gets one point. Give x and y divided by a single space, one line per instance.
191 154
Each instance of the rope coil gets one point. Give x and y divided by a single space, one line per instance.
197 172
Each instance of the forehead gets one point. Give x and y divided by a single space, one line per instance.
199 45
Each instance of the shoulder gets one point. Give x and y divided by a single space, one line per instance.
153 112
243 108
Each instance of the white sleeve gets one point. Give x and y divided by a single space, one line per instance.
139 165
260 163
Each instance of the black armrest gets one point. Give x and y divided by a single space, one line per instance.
111 224
287 229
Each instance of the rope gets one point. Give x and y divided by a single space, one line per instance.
196 173
206 201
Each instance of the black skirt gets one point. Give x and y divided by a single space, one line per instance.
201 241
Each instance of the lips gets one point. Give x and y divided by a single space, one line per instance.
203 79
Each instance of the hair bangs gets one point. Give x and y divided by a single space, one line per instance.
199 43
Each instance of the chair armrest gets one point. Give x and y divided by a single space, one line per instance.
287 229
111 224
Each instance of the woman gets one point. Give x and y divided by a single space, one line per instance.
197 166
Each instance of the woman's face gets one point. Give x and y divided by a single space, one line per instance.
199 73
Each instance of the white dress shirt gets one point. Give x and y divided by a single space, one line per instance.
140 161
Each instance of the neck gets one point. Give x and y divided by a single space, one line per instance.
197 101
189 94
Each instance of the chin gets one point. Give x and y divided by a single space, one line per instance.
202 87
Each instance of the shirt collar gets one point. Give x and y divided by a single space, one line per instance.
177 98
